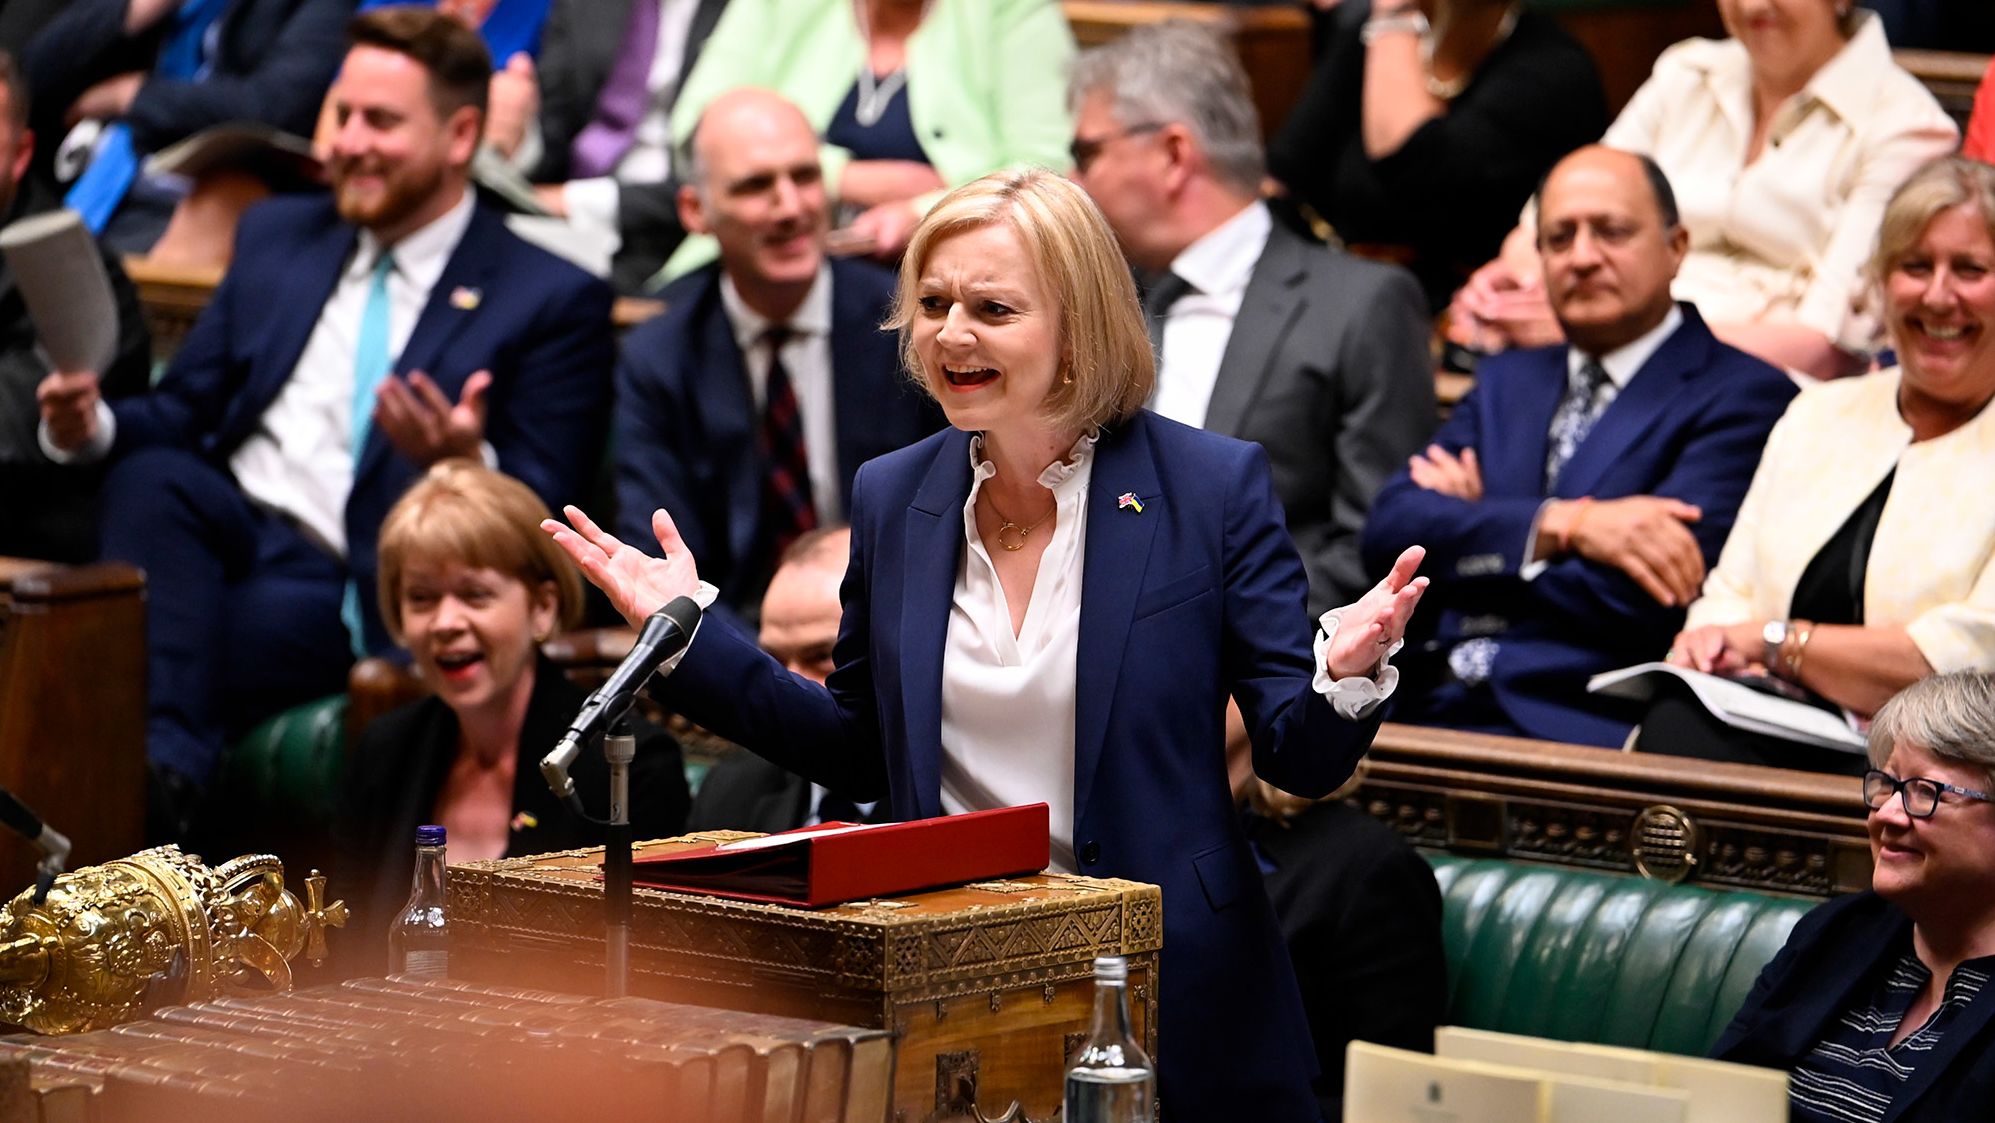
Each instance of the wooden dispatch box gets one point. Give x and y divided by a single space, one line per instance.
987 986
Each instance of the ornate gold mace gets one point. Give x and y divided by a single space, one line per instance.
157 927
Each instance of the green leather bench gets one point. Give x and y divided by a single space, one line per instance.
1576 955
1550 951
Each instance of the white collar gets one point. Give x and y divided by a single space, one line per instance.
1847 85
1625 361
1223 259
421 254
1055 474
812 317
1849 81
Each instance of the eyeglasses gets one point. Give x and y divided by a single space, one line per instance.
1084 151
1920 796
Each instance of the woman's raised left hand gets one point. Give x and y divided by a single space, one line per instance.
636 583
1368 629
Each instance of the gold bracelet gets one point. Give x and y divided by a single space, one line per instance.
1802 633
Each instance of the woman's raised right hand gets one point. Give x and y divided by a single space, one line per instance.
636 583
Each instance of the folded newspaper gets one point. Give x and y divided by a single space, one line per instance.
61 276
1738 705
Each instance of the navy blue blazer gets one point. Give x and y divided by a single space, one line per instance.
688 434
540 325
272 61
1689 425
1832 957
1199 596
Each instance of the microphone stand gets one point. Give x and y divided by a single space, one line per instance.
619 749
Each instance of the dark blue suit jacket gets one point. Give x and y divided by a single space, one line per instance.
1690 425
687 432
540 325
1198 597
1832 957
272 62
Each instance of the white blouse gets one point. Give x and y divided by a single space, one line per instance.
1008 700
1784 239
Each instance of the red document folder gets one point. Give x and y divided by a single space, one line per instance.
838 862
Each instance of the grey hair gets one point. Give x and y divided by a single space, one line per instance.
1184 73
1951 716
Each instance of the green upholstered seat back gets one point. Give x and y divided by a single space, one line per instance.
291 765
1581 956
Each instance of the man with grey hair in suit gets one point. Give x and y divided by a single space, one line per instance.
1320 357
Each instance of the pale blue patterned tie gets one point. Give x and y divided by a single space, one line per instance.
371 362
1573 420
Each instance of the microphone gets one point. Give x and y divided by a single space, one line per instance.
660 643
51 842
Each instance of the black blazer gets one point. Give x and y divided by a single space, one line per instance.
1361 915
1832 955
1453 190
396 772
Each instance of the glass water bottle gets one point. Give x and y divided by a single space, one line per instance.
419 939
1111 1080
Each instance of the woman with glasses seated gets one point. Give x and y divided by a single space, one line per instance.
1879 1006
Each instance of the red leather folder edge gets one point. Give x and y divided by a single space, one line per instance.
882 861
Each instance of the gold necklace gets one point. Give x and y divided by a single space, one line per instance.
1449 89
1006 525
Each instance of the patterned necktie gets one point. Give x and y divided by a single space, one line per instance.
787 509
1574 418
625 95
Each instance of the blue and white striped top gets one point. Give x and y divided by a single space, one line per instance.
1853 1073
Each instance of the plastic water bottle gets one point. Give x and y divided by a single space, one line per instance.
1111 1080
419 939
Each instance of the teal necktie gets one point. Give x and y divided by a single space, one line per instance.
371 363
371 359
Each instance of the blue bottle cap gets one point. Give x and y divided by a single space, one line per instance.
429 836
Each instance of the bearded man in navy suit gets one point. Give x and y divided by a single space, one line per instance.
354 341
747 408
1575 498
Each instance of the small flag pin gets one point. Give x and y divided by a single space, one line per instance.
465 297
1128 499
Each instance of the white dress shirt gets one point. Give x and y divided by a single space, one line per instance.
594 202
1621 365
807 361
1008 698
300 460
1197 326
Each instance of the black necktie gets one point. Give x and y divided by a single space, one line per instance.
1164 292
835 808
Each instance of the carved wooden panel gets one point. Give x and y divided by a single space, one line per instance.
1701 822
